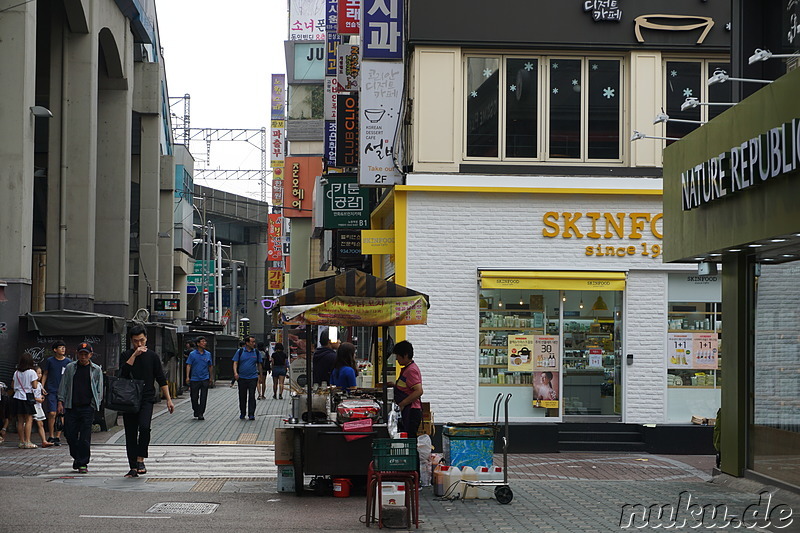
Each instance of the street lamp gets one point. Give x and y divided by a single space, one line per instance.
763 55
720 76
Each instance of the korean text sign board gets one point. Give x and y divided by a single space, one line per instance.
332 38
277 186
347 130
381 97
278 98
299 176
274 238
277 137
382 29
307 20
349 17
330 143
346 205
275 279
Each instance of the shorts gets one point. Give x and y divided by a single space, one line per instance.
278 371
51 402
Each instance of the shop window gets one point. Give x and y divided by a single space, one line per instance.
684 79
543 108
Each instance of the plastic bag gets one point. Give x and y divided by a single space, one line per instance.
394 421
424 448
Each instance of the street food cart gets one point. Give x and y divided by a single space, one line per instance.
353 298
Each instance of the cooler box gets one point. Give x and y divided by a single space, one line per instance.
468 445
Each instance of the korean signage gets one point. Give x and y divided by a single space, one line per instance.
332 89
345 204
332 38
348 66
278 99
381 97
275 279
356 311
520 353
307 20
300 174
603 10
277 187
196 278
692 351
347 248
330 143
274 237
545 352
382 29
309 61
347 130
349 16
277 133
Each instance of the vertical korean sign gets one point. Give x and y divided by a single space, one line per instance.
274 238
382 29
332 38
277 136
275 279
307 20
381 95
349 22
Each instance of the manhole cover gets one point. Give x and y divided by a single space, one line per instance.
183 508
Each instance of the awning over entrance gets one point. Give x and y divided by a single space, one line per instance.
69 322
546 280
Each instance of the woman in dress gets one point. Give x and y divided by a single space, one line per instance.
25 381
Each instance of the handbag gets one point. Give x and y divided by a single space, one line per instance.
59 424
123 395
29 397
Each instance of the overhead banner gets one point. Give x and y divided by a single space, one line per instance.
348 66
274 238
307 20
349 22
381 95
357 311
382 29
345 204
278 98
546 280
347 130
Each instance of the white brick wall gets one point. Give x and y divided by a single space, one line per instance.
453 235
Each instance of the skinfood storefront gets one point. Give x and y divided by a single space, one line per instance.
558 296
731 192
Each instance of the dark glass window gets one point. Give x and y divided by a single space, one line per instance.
483 118
719 92
683 81
604 107
521 108
565 108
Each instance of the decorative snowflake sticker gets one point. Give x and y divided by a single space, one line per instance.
487 72
512 88
574 82
594 66
474 94
529 66
608 92
555 66
555 90
687 92
673 73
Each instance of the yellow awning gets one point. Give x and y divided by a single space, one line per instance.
545 280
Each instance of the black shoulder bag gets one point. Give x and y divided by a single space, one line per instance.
123 394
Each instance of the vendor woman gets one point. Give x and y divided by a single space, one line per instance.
408 389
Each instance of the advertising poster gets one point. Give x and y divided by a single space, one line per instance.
705 348
307 20
349 20
382 29
679 350
520 353
545 352
545 389
274 238
595 358
381 97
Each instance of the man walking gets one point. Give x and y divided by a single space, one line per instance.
52 372
142 363
247 365
199 369
79 396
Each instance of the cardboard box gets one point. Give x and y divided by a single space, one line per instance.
284 446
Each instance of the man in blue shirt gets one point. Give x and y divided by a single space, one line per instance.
246 368
199 369
52 372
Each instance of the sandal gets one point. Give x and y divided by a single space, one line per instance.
140 468
132 473
30 446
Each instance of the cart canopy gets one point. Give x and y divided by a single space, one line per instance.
354 298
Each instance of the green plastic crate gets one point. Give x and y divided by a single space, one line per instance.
395 454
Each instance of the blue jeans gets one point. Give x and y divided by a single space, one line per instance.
78 432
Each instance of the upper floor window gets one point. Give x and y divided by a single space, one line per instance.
543 108
686 79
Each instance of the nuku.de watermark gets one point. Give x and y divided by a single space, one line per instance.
710 516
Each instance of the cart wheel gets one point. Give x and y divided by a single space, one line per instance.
298 462
503 494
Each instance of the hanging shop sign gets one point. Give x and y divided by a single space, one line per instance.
277 136
332 90
603 10
348 66
520 353
545 352
611 228
299 178
765 157
332 38
275 279
381 96
347 130
274 237
377 242
545 389
349 17
307 20
278 98
309 61
330 143
347 248
345 204
277 187
382 29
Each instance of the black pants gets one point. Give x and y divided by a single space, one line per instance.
247 389
78 432
137 432
198 391
410 421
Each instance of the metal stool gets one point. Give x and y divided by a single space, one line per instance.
375 493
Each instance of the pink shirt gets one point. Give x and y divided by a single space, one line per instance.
411 376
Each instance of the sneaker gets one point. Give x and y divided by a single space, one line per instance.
56 441
274 397
280 397
75 465
201 417
241 417
51 440
83 470
252 417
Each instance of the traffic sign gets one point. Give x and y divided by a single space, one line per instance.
191 289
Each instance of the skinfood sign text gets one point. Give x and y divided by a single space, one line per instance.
756 160
606 226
